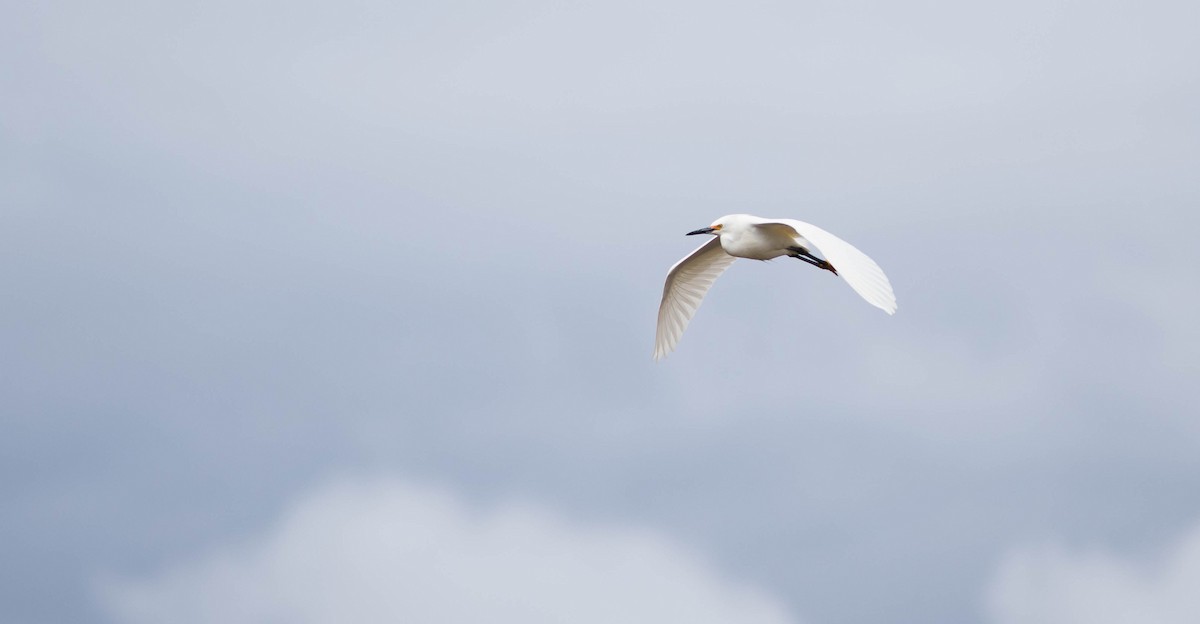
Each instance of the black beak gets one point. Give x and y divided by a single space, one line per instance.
706 230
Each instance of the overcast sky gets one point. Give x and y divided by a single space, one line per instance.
330 312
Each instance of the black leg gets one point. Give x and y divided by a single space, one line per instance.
801 253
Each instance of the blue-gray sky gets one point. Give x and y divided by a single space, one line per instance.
268 264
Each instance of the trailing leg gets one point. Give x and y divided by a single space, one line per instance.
801 253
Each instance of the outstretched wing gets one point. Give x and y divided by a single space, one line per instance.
687 282
860 271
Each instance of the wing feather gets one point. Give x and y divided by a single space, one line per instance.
687 283
859 270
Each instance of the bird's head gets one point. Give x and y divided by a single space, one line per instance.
728 224
714 229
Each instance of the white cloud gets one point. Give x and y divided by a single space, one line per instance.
390 551
1050 585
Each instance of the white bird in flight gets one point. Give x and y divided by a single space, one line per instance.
746 236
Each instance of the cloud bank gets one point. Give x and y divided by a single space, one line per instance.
391 551
1053 586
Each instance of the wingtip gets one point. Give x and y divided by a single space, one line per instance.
889 306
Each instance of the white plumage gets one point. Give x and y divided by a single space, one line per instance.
747 236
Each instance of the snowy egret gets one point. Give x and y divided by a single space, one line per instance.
747 236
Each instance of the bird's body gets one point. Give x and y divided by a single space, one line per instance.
756 238
757 243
